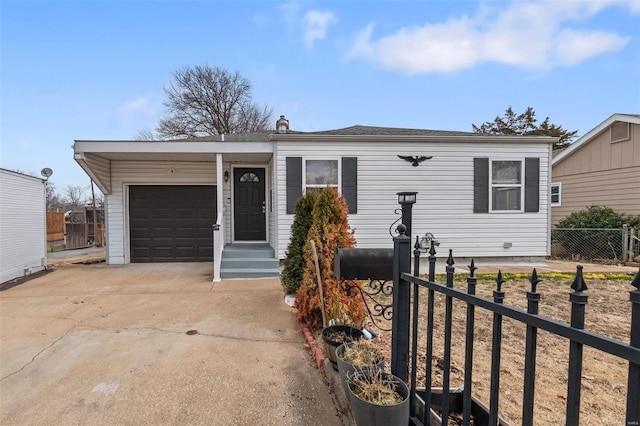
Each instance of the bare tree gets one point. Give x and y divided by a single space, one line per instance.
54 201
146 135
74 196
206 100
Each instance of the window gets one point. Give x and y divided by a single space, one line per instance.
249 177
556 194
500 186
506 185
341 173
321 173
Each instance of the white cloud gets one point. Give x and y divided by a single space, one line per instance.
534 35
290 12
131 110
315 26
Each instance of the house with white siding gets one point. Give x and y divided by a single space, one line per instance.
23 230
484 196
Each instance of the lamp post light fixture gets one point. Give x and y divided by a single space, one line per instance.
407 200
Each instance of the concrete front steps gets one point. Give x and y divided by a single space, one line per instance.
249 260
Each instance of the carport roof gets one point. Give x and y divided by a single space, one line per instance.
95 156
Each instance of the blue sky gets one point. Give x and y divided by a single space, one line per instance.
96 69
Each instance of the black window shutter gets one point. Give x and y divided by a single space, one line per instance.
350 182
532 185
481 185
294 182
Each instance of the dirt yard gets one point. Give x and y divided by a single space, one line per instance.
604 377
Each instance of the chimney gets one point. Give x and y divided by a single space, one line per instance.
282 125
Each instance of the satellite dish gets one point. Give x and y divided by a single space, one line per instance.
46 172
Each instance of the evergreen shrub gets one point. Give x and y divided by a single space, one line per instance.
294 256
329 229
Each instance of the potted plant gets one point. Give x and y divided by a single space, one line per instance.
334 336
378 399
357 356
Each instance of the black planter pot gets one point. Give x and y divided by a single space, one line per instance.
366 413
330 345
346 369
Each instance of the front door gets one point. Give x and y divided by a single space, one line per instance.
249 204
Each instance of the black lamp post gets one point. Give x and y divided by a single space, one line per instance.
407 200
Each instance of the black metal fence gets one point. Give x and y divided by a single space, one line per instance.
406 306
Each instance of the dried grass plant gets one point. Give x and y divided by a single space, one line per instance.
375 387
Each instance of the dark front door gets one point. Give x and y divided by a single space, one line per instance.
171 223
249 204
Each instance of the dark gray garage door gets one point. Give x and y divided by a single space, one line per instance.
171 223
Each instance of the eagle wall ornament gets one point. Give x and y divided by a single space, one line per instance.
415 160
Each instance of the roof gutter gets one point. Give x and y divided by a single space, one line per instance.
411 138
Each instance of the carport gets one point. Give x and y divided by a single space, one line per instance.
164 199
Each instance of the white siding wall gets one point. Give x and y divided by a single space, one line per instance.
445 196
125 173
22 225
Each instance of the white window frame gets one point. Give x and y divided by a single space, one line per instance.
506 185
551 194
304 173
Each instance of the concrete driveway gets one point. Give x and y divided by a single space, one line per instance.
154 344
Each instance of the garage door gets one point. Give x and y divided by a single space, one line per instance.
171 223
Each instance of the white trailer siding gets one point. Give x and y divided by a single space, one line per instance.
22 225
124 173
445 195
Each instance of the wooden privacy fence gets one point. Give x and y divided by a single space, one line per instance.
55 226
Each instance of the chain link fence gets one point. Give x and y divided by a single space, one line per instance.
591 244
634 245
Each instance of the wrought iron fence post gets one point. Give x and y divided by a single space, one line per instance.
578 306
448 326
401 304
429 357
533 299
496 347
633 385
468 356
414 329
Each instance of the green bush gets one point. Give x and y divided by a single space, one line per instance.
294 256
589 243
593 217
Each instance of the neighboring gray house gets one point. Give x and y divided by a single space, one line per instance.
483 196
23 229
602 168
